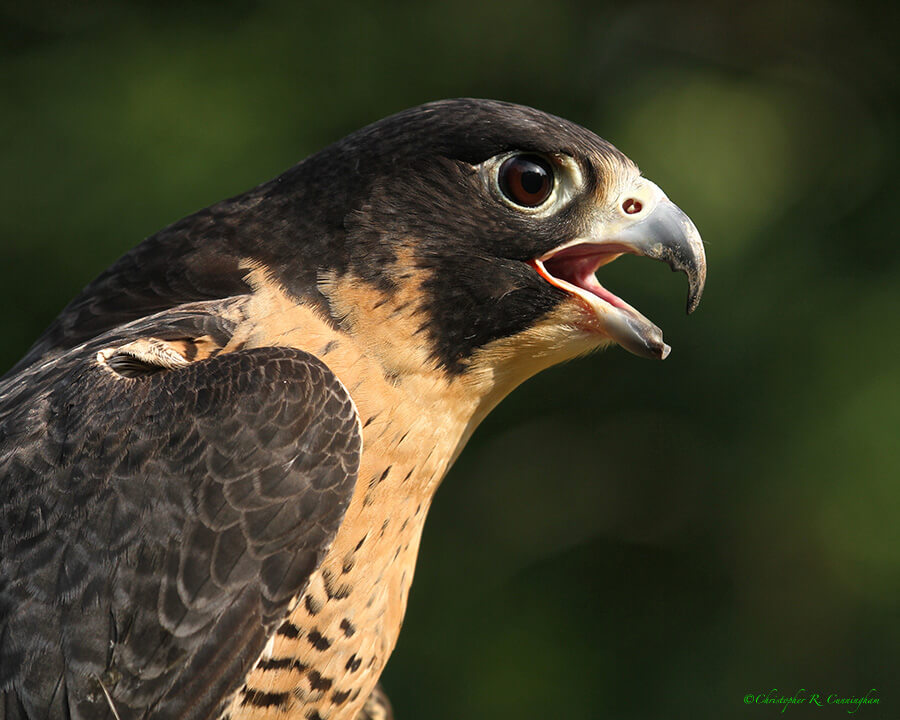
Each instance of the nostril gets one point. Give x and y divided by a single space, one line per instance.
632 206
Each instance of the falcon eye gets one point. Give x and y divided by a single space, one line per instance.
526 180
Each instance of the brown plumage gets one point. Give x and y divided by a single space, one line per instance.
216 464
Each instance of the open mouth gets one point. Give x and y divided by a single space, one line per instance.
650 225
573 269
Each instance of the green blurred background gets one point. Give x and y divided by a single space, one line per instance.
622 538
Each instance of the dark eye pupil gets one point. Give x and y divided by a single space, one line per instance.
533 181
527 180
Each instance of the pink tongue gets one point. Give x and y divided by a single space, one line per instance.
589 283
580 271
630 329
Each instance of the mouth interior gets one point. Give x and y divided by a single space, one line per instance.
576 266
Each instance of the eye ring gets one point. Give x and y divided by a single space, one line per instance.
526 180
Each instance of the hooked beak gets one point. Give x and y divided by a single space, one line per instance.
644 222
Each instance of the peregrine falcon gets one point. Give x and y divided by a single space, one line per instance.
216 463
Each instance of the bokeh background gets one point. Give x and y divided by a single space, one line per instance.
622 538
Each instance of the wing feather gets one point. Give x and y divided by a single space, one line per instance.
154 530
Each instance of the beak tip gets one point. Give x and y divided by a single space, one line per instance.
692 302
696 273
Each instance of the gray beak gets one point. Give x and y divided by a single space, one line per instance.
643 221
667 234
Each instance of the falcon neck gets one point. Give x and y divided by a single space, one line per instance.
409 407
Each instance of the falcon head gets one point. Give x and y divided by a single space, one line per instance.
459 238
476 227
